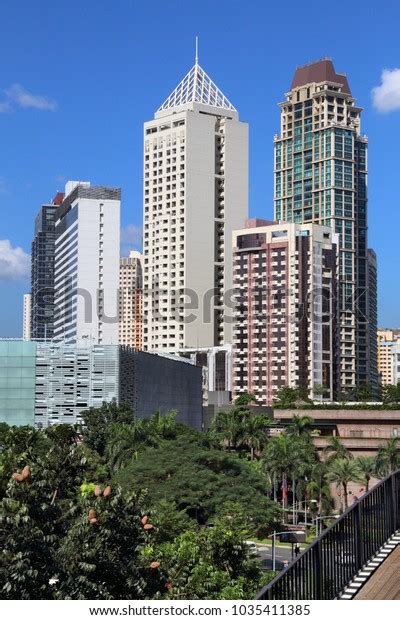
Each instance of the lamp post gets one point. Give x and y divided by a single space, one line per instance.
318 527
273 536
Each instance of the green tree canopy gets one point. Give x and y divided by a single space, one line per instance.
198 479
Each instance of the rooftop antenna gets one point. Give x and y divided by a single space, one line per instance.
196 60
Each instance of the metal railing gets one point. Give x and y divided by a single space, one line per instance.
326 567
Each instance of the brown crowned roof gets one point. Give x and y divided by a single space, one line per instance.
320 71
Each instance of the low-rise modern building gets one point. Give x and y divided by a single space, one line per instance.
44 383
362 431
131 300
285 317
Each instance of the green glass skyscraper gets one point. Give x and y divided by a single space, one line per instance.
321 177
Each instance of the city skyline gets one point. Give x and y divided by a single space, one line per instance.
32 121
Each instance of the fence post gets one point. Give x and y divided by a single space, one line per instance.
317 574
393 503
359 555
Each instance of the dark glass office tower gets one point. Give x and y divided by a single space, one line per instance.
42 277
321 177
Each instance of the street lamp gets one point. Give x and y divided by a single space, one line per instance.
317 525
298 509
273 536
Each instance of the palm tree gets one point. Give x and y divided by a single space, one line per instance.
367 467
164 425
300 426
317 488
387 460
125 441
254 433
342 471
336 450
285 457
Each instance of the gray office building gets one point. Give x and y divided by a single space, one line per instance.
44 383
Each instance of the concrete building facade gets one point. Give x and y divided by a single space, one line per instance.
131 301
86 274
216 364
285 331
321 176
195 195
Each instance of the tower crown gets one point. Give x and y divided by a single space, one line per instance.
317 72
197 87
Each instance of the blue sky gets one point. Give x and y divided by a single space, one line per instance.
78 79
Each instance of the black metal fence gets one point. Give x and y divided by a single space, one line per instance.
324 569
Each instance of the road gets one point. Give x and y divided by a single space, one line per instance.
282 554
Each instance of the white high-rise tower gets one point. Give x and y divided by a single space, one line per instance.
86 271
195 195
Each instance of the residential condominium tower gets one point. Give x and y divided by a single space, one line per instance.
195 195
131 301
42 271
86 275
285 331
321 177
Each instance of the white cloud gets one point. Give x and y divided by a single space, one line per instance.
5 107
131 239
386 97
14 262
19 96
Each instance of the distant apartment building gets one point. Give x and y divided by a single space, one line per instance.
42 271
195 195
26 320
388 344
86 273
131 300
321 171
46 383
285 325
216 364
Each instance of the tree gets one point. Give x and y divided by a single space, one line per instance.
364 393
32 510
198 479
390 394
100 556
254 433
387 460
97 422
317 488
227 428
300 426
342 471
287 456
212 563
320 390
286 397
335 449
367 467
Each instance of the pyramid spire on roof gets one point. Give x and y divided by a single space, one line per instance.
197 87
